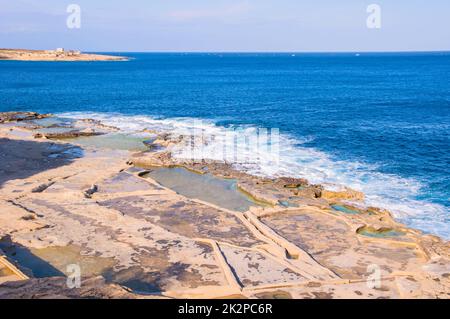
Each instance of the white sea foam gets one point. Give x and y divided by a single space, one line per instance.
395 193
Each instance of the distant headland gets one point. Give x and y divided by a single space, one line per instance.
58 54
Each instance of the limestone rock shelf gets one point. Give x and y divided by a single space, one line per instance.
121 215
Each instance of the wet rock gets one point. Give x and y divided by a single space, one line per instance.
68 134
144 173
150 143
6 117
288 182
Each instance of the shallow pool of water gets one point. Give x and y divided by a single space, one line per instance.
55 130
53 121
53 261
206 187
344 209
124 142
384 233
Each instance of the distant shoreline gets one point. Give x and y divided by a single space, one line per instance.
271 52
55 56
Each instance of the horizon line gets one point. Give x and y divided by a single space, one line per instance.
290 52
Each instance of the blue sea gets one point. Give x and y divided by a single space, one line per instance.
376 122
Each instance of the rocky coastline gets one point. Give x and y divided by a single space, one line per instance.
55 55
64 202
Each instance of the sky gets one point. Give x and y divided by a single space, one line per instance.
226 25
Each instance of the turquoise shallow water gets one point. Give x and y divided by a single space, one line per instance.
344 209
221 192
379 123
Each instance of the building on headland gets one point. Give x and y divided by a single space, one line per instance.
62 51
73 52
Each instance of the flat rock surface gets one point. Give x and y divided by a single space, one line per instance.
63 204
330 241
